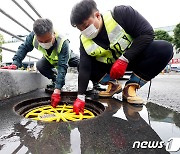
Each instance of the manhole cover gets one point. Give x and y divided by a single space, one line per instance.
40 109
60 113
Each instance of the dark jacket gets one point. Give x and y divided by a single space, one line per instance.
63 58
134 24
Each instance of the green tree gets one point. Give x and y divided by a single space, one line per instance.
1 42
162 35
176 40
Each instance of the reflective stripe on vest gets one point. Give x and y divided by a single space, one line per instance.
119 42
53 58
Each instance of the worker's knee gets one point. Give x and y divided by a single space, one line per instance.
163 49
39 65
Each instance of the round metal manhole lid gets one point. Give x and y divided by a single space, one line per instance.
40 109
60 113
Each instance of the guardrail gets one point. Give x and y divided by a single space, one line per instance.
20 24
15 52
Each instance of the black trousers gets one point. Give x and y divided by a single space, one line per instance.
46 69
147 65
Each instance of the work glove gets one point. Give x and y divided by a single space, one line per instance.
55 99
118 68
78 106
10 67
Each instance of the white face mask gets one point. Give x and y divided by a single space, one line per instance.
46 45
90 32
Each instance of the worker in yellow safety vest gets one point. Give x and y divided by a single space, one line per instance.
112 43
56 55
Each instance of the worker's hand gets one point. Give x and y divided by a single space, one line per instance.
78 106
10 67
118 69
55 99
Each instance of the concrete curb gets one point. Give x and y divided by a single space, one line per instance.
16 82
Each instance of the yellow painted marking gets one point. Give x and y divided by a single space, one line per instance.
60 113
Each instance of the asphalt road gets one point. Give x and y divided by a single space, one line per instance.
113 131
165 91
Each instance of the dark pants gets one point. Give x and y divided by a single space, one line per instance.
46 69
147 65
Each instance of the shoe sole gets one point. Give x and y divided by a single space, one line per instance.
134 102
49 91
107 96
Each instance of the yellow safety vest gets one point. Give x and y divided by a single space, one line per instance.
53 58
119 42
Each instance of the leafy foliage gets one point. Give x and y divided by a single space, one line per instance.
176 40
163 35
1 42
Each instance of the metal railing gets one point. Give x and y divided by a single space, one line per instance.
4 48
9 33
32 7
20 24
10 17
15 2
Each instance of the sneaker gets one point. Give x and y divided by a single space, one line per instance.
129 94
51 86
97 86
113 88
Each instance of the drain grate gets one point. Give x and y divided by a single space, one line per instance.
40 109
60 113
